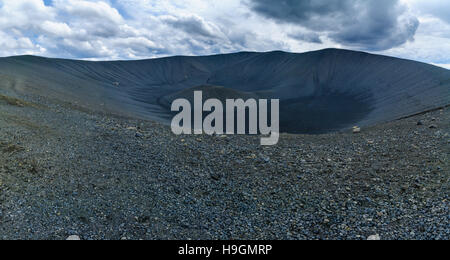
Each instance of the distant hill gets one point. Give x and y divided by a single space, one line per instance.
321 91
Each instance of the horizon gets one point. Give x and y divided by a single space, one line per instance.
104 30
219 54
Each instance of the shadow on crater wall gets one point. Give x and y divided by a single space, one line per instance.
319 115
306 115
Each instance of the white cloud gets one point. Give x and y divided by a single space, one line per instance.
56 28
88 9
23 14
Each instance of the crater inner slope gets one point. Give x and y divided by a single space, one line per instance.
319 92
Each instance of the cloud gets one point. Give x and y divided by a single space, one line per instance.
120 29
306 36
370 25
193 25
436 8
73 29
56 28
97 10
21 14
98 18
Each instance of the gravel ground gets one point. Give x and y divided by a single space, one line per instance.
67 171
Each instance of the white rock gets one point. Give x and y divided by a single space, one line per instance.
374 238
356 130
73 238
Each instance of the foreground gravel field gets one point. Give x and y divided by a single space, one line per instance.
67 171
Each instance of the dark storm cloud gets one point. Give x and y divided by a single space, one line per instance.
307 37
371 25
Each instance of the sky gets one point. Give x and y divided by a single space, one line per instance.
140 29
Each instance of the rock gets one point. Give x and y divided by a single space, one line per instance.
252 156
138 135
433 126
215 176
420 123
374 238
356 130
73 238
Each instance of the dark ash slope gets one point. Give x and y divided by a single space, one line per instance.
320 92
